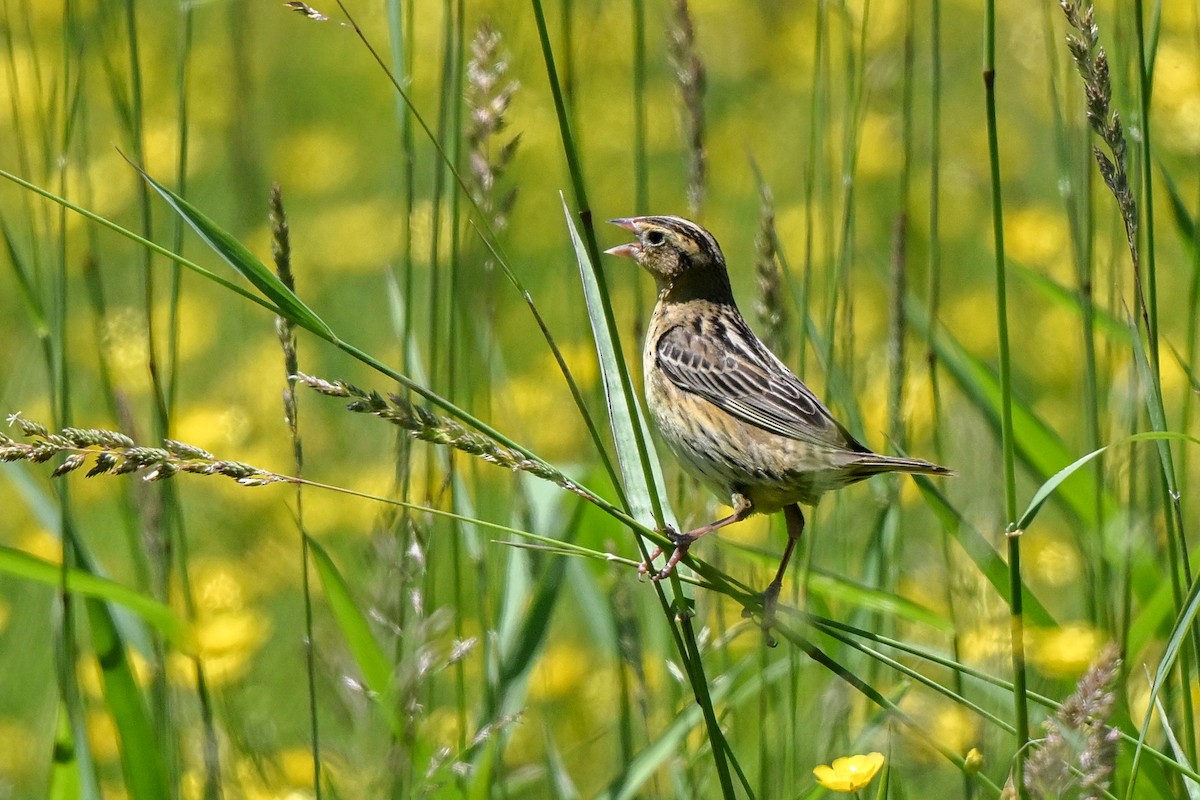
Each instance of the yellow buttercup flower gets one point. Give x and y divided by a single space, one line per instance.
849 773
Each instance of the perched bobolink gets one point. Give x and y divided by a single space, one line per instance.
737 419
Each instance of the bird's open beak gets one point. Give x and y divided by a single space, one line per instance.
631 250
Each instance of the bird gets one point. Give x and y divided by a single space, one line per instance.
732 413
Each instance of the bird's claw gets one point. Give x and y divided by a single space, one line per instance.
648 564
682 542
770 600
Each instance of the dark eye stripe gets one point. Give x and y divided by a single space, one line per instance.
703 240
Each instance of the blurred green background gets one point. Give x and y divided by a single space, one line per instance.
812 93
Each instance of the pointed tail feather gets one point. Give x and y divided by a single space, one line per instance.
873 464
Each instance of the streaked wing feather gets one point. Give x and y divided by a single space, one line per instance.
730 368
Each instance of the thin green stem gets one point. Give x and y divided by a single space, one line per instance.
641 170
66 649
1013 539
589 235
699 683
1075 177
1169 490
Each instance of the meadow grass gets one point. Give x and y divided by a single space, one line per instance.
907 194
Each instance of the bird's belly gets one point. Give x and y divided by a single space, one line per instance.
731 456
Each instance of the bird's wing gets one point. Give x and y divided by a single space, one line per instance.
730 368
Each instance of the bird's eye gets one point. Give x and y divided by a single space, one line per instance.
655 238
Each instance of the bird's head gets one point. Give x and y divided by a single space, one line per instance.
673 250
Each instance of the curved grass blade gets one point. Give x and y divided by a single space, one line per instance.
1193 788
1069 299
1039 447
242 260
159 616
867 598
1179 633
644 486
141 751
307 319
1048 488
141 241
1179 212
364 647
835 628
25 281
980 550
654 755
67 779
527 610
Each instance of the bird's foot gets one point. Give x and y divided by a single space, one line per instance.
770 601
682 542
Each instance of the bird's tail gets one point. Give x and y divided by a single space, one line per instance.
872 464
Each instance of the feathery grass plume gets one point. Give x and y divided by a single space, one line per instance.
1092 63
769 305
430 427
281 252
1077 756
489 94
305 10
117 454
689 77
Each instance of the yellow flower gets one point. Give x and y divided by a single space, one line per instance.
849 773
973 761
1067 651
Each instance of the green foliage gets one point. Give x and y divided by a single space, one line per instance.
475 626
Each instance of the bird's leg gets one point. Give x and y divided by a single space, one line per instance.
795 527
742 507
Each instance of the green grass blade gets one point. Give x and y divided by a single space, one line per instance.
520 653
1193 788
1184 222
160 616
979 550
1070 300
643 481
25 281
563 788
663 747
364 647
242 260
140 240
867 598
1047 489
528 611
1039 447
66 779
1166 665
141 751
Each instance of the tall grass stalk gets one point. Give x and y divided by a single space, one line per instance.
1013 537
818 116
66 646
933 297
933 278
1076 178
1092 63
281 252
1169 486
641 171
589 235
690 81
401 38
